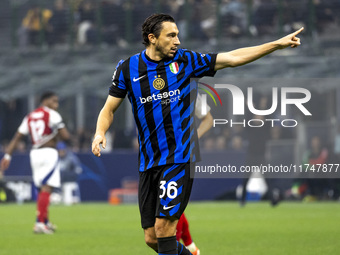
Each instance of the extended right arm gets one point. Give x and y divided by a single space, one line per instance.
246 55
104 121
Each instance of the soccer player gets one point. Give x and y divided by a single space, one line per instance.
157 82
44 125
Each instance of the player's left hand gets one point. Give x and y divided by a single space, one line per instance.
97 141
290 40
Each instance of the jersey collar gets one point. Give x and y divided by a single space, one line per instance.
150 61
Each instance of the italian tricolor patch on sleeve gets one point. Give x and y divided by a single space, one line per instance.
174 68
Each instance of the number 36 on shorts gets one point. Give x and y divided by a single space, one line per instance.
170 190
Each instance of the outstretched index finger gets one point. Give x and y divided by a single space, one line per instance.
298 31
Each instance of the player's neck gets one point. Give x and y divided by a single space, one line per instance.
153 54
47 106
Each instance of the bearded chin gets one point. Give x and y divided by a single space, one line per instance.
161 50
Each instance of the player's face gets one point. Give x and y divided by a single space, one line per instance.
53 102
167 42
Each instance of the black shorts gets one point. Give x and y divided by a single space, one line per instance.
163 191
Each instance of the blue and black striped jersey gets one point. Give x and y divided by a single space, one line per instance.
159 92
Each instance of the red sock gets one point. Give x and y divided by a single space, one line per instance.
179 228
42 206
186 237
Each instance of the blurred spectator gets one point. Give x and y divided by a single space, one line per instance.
237 130
86 21
173 7
294 15
141 10
209 143
129 12
83 140
317 154
324 14
221 143
70 169
35 24
226 133
60 22
189 12
166 6
264 14
277 132
207 14
70 166
113 20
233 17
237 143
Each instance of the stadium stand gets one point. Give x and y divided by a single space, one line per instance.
81 74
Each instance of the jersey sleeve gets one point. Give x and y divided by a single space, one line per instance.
23 128
56 122
118 87
202 64
198 108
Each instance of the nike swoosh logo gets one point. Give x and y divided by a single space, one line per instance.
168 207
137 79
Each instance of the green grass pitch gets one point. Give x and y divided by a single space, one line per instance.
217 228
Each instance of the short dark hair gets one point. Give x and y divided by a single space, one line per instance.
47 95
153 25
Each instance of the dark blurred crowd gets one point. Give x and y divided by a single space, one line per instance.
118 22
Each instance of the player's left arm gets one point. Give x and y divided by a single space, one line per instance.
6 160
246 55
205 125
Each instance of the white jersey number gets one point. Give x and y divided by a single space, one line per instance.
171 191
37 129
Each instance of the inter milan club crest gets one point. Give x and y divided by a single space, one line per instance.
159 83
174 68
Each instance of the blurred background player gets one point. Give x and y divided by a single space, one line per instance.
44 125
182 231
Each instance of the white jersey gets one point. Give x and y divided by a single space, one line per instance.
198 108
42 125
